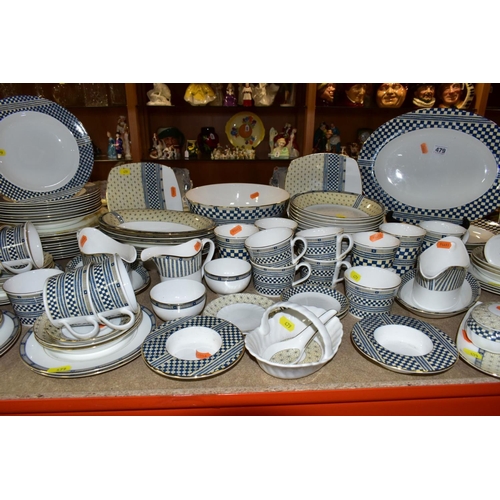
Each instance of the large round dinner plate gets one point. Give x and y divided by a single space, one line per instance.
436 163
44 149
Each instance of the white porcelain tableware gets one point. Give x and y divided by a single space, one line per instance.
227 275
271 281
275 247
370 290
483 326
242 202
374 248
230 239
277 325
25 292
274 222
436 230
325 272
178 298
94 244
328 243
492 250
20 248
411 238
180 261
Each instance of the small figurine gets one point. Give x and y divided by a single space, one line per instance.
391 95
199 94
355 94
288 94
230 98
326 139
122 129
118 145
264 93
289 135
326 93
424 95
159 96
217 88
111 147
281 151
247 95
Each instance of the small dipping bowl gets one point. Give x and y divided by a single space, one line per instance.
228 275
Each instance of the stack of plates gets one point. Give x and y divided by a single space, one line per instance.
480 231
487 274
51 351
149 227
351 211
56 221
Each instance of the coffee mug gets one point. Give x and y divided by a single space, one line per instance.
325 272
230 239
437 230
272 281
374 248
326 243
20 248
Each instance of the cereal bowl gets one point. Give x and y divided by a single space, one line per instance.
228 275
243 202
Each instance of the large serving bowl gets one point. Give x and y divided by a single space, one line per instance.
240 202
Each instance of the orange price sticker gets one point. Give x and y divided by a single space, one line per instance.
235 230
202 355
376 236
124 171
173 192
355 276
473 353
197 246
444 244
59 369
424 148
287 324
254 195
83 240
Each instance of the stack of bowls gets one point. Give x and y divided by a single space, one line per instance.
350 211
486 273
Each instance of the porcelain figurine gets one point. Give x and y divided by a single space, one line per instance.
111 147
354 94
264 93
160 95
289 134
391 95
119 145
326 93
217 88
455 95
199 94
281 151
230 97
122 129
247 99
424 95
289 90
326 139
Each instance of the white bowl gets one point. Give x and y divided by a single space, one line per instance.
178 298
272 330
483 326
227 275
242 202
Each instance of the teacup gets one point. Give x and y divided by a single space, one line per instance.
325 272
178 298
272 281
370 290
326 243
20 248
230 239
274 222
112 293
411 238
180 261
66 299
228 275
437 230
25 292
275 247
374 248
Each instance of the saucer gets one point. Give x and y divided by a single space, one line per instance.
245 310
9 331
38 360
484 361
226 353
403 344
469 295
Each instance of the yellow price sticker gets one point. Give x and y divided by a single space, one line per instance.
287 324
355 276
59 369
2 152
124 171
340 216
473 353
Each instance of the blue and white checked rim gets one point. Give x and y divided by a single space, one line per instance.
442 357
156 356
479 127
21 103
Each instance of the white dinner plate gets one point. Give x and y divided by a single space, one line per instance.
9 331
492 250
44 149
403 344
38 360
323 172
436 163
